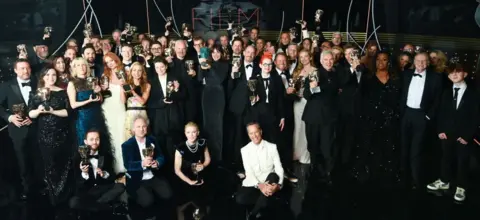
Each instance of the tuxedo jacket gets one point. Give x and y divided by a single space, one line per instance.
321 107
432 92
155 101
239 90
132 160
274 109
10 94
105 162
462 121
349 88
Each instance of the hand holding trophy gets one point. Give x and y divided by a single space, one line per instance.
252 87
105 83
189 65
83 151
236 67
170 89
293 32
313 78
121 75
92 83
43 95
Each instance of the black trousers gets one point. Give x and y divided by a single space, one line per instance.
413 132
145 197
240 139
320 143
347 131
22 147
98 198
285 144
455 155
247 196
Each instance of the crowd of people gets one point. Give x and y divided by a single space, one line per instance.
118 125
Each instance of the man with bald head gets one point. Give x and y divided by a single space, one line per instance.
419 104
188 79
239 98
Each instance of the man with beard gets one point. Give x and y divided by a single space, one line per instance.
88 53
157 51
38 61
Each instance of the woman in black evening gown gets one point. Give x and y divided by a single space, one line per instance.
54 137
213 101
377 153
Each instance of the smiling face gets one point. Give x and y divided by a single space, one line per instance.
60 65
216 55
23 71
92 140
457 76
160 68
305 58
266 65
140 128
191 132
421 62
254 133
382 62
50 78
327 61
136 72
111 64
281 62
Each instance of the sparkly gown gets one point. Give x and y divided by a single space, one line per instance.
134 108
89 116
300 151
57 148
114 110
377 152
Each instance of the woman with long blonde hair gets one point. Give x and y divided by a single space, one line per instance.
114 106
304 68
140 92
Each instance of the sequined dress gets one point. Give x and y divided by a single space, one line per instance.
134 109
57 147
377 153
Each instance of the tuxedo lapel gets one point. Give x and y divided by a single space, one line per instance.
16 90
427 87
466 95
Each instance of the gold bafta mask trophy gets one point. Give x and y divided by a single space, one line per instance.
236 63
170 89
189 65
318 15
44 95
47 30
252 87
92 82
148 151
19 109
88 31
105 82
313 77
22 51
83 150
121 75
138 49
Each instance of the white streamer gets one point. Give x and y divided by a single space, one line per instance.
354 41
348 22
373 20
173 17
4 127
374 31
89 6
158 8
281 28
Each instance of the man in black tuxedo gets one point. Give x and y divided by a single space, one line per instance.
226 48
421 94
145 183
351 74
457 124
320 115
239 98
21 131
96 66
96 188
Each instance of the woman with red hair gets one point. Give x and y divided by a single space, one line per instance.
114 106
266 96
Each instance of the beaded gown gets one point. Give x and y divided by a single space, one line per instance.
56 146
377 153
134 109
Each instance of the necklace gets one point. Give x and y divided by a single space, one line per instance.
192 148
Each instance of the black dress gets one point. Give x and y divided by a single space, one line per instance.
56 145
213 106
193 193
377 152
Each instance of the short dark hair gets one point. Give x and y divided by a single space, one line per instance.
255 28
160 60
197 38
281 54
348 46
253 123
20 61
91 130
237 39
455 67
88 46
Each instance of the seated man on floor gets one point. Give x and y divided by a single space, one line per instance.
142 158
97 189
263 170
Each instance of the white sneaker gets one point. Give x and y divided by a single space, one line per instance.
460 194
438 184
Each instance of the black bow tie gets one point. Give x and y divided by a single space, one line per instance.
93 156
416 74
248 66
25 84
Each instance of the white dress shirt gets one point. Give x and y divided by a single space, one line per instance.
163 83
293 66
461 91
147 174
94 166
415 91
259 161
358 74
266 76
284 78
24 89
248 71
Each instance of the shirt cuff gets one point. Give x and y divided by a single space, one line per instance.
85 176
10 119
315 90
106 174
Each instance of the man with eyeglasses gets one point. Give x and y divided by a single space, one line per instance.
156 50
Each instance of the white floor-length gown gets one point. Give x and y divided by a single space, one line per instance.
300 151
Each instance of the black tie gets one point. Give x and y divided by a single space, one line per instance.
248 66
416 74
267 82
455 97
93 156
25 84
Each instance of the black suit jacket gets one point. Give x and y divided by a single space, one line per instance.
10 94
349 88
132 161
239 90
431 93
461 122
274 109
321 108
105 162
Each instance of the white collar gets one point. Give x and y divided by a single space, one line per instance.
22 80
462 85
423 73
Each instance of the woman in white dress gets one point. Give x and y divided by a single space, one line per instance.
305 66
114 106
